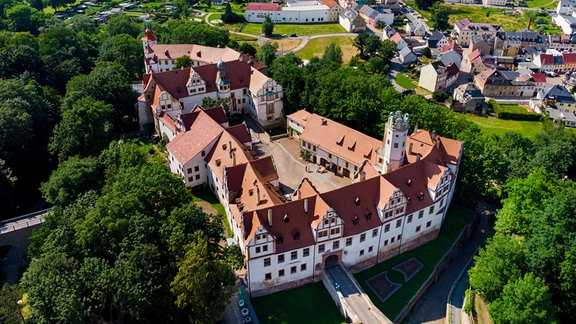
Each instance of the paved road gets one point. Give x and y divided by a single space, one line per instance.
432 306
457 300
353 296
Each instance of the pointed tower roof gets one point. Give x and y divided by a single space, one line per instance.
149 36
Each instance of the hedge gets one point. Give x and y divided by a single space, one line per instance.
503 113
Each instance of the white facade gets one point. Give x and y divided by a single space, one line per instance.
395 134
565 7
299 12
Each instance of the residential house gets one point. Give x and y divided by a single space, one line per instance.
496 2
399 40
451 53
467 98
351 21
567 23
556 97
436 41
481 43
387 32
245 89
415 28
555 61
438 77
373 16
497 83
406 56
295 11
568 119
335 9
565 7
464 30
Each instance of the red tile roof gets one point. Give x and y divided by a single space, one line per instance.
569 58
547 59
538 77
189 144
263 6
240 132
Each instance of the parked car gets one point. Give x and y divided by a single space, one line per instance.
293 35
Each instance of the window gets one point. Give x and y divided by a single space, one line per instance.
386 228
349 241
197 177
442 202
268 276
417 228
428 224
326 221
281 273
431 209
190 178
306 252
293 270
329 155
265 248
196 168
399 210
362 237
321 248
335 231
385 242
257 248
399 237
398 223
293 255
361 252
281 258
420 214
303 267
395 145
322 233
203 153
375 232
409 219
392 240
189 170
335 245
267 262
370 249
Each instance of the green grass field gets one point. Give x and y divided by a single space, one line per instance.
306 304
299 29
316 47
405 82
542 3
501 126
514 109
208 196
429 255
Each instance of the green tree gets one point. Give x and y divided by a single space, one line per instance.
234 257
19 59
23 18
426 52
229 17
387 49
526 300
440 16
425 4
9 312
286 71
202 297
267 53
85 129
499 262
74 177
247 48
367 44
267 26
182 62
124 50
122 24
377 65
332 54
56 4
181 31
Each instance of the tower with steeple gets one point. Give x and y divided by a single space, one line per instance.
395 134
222 81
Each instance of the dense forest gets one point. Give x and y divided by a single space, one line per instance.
124 242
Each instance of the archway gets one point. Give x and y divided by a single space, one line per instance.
331 261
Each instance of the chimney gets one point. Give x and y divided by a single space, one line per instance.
297 194
362 176
437 142
433 135
270 217
257 196
410 148
233 158
418 156
306 206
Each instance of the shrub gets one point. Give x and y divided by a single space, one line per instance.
512 112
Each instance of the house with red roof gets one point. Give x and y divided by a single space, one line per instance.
438 76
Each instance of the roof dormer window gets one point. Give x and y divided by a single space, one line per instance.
357 201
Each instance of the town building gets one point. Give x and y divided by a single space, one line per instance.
244 89
497 83
436 41
467 99
294 12
415 28
351 21
465 29
451 53
335 9
565 7
406 56
554 61
373 16
436 76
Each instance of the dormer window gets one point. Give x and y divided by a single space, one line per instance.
421 196
279 240
409 182
218 162
286 218
296 236
357 201
355 220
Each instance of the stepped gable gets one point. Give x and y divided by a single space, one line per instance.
257 79
340 140
187 145
237 72
356 205
173 82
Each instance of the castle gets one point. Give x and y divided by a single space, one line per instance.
402 188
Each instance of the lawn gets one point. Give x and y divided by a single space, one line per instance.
306 304
501 126
542 3
514 109
429 255
316 47
481 14
405 82
208 196
299 29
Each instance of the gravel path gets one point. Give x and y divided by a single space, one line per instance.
432 307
